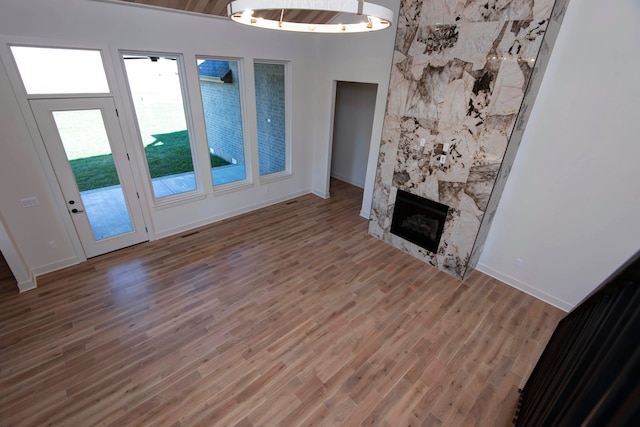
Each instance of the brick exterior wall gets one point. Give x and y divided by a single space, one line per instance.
270 110
223 117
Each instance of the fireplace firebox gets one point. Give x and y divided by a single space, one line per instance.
418 220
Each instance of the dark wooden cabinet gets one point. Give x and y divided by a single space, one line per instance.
589 372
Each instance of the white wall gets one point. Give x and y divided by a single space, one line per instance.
571 207
107 26
352 126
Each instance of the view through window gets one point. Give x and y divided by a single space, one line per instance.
271 117
220 91
156 91
86 145
46 70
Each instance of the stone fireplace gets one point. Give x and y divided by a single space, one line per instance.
464 77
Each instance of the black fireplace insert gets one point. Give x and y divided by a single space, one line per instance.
419 220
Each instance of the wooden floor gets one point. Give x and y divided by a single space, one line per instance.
291 315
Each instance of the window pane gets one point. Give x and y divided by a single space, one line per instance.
157 96
87 147
270 112
51 70
220 89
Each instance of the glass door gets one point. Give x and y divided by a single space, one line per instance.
84 143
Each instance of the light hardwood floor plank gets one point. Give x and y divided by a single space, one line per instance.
286 316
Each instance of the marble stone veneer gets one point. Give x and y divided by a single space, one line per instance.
464 73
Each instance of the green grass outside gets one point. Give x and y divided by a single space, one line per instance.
168 154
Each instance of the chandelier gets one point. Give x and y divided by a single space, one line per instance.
365 16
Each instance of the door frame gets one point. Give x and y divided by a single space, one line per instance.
110 59
113 126
374 144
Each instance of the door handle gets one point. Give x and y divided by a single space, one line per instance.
74 210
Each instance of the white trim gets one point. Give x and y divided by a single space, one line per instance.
231 187
27 285
55 266
18 268
219 217
178 199
326 181
365 214
346 179
324 195
273 177
515 283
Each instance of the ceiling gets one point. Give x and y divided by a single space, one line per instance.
219 8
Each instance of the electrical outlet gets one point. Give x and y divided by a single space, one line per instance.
423 142
442 159
29 202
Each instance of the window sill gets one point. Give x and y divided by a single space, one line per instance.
178 199
278 176
231 187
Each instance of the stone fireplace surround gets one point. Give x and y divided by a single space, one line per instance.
463 81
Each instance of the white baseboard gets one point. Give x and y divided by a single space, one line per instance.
27 285
320 194
210 220
515 283
67 262
365 214
347 180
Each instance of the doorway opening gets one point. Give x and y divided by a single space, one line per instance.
355 105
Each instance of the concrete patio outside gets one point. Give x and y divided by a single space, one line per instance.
107 210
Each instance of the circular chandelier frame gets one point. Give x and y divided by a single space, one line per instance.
373 17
